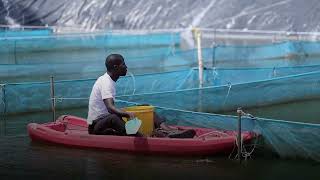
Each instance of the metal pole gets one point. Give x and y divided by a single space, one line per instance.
239 111
53 100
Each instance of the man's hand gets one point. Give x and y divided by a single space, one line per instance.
130 115
109 103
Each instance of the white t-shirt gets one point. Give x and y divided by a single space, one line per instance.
102 89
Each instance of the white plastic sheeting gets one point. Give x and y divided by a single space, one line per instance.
287 15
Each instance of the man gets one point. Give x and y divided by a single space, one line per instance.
103 117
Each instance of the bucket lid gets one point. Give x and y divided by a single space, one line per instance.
139 108
133 126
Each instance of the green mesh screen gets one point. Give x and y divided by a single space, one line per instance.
230 96
287 139
225 89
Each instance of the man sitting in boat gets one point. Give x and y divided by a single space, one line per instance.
103 117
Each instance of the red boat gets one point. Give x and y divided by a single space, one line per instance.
73 131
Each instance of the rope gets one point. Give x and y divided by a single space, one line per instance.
60 99
183 82
225 99
262 32
215 74
244 153
212 132
247 115
134 82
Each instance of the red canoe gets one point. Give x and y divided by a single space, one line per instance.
72 131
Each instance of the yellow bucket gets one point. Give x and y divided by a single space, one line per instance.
145 114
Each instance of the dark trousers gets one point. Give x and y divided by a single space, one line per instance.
158 120
109 124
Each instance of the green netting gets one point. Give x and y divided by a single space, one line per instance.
291 53
165 62
82 56
288 139
32 97
229 97
43 72
27 97
150 62
160 48
89 63
84 48
94 40
24 33
225 89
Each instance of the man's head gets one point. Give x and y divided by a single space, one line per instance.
115 64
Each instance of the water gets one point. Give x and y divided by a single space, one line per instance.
37 160
20 158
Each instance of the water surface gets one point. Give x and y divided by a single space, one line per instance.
21 158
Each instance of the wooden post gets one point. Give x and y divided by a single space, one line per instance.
197 35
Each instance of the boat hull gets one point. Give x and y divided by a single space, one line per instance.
72 131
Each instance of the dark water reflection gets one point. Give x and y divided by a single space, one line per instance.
20 158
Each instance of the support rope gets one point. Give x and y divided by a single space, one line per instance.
244 152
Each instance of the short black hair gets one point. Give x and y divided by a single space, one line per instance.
113 59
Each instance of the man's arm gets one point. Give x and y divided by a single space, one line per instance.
109 103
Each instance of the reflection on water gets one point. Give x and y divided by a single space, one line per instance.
38 160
